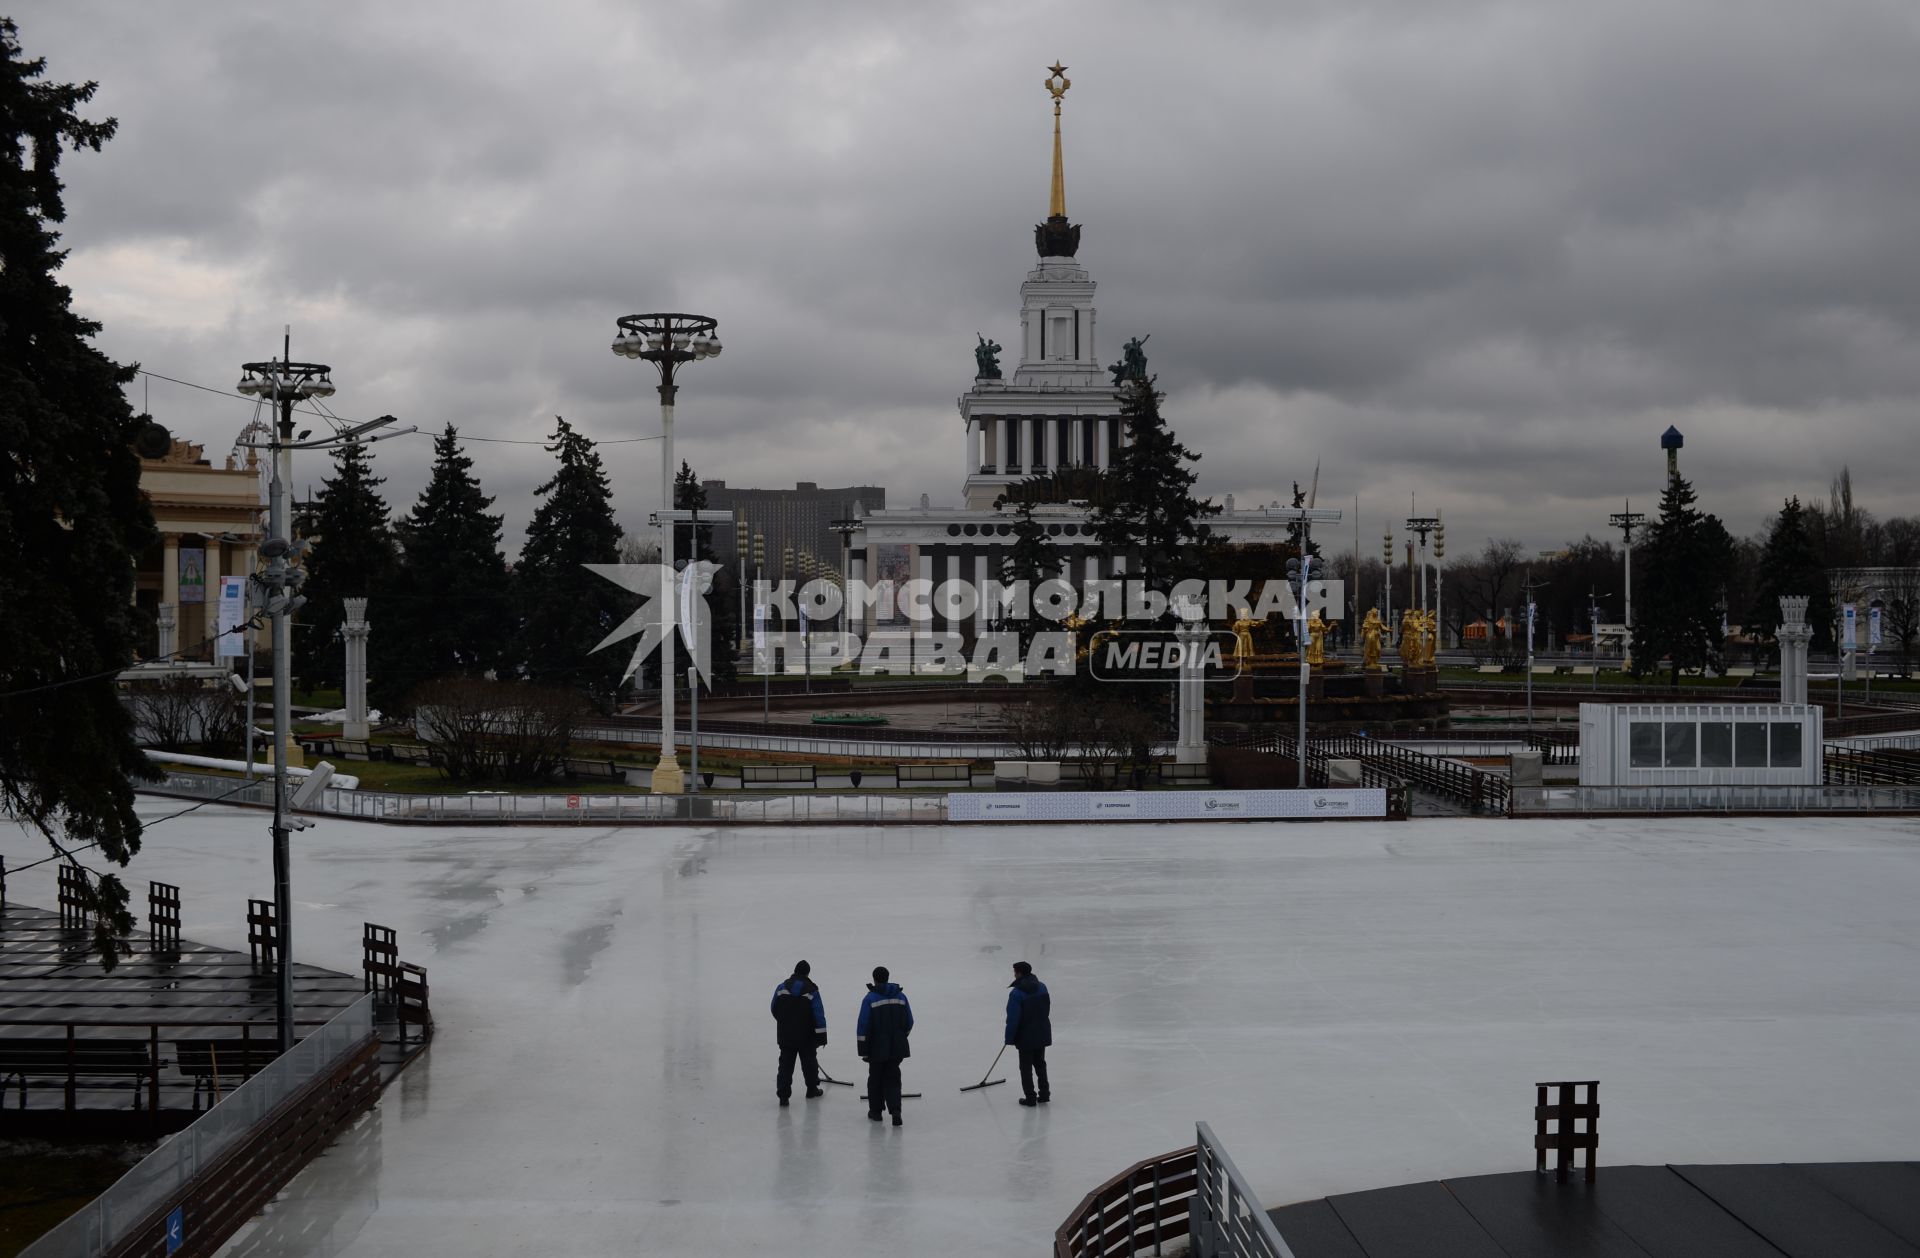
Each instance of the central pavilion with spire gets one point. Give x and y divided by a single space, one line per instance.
1056 415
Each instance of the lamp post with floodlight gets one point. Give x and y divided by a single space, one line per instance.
282 384
668 341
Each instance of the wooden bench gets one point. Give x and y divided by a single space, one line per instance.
769 775
71 1059
218 1065
905 773
612 772
361 749
1545 670
1493 668
411 753
1191 773
316 744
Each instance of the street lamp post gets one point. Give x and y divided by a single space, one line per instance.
668 341
846 527
1421 525
1386 558
1298 573
740 544
282 383
1627 521
760 629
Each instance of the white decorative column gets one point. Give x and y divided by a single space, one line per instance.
355 631
168 624
1794 635
1191 746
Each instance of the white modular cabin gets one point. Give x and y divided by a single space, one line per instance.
1700 744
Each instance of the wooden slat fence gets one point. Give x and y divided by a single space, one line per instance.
1139 1210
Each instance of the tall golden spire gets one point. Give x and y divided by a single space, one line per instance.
1058 83
1057 238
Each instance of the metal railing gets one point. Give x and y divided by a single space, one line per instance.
1228 1221
1880 742
1281 743
586 806
1548 800
163 1175
1479 792
1889 766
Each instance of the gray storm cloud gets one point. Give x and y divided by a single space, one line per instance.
1485 252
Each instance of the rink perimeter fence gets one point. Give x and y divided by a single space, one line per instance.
1547 801
196 1189
1196 1192
822 809
1033 806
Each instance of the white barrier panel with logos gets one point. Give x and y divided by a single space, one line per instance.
1164 805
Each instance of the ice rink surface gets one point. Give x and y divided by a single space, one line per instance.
1351 1005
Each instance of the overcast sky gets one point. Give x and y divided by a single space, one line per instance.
1485 252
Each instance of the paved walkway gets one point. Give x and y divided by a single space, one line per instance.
1807 1210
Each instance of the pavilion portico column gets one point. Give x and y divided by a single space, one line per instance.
210 609
355 631
169 595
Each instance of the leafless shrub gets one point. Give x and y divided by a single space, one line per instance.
1041 727
174 713
497 731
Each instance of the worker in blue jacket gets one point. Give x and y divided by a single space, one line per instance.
801 1022
1030 1029
886 1019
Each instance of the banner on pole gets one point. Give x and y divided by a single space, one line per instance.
1848 639
1873 626
759 627
232 614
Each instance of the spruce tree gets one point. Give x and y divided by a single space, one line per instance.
1148 514
72 517
1790 565
566 610
352 557
452 610
1149 517
1687 557
1029 560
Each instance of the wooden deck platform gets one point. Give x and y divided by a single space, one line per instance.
207 1014
1800 1210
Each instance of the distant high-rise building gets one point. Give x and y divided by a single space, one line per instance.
799 519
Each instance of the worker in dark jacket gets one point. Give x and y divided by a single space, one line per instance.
886 1019
801 1022
1030 1029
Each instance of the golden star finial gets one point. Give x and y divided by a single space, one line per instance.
1058 89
